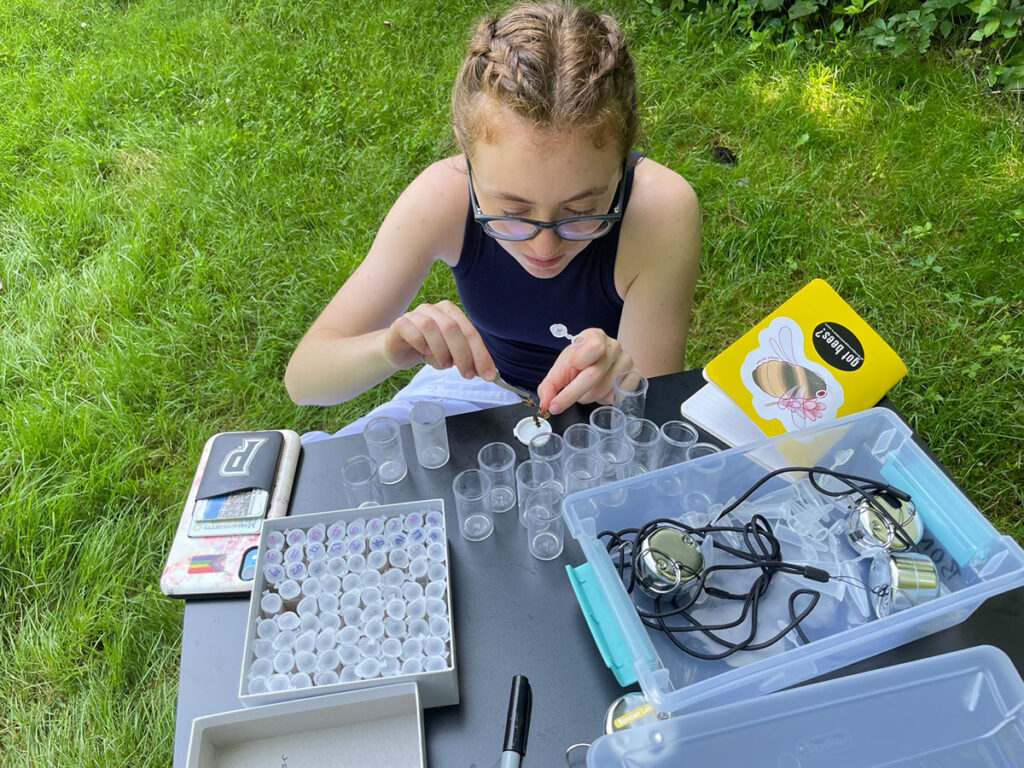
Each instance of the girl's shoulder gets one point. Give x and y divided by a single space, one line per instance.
434 204
662 220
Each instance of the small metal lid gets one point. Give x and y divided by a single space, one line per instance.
629 711
868 529
669 560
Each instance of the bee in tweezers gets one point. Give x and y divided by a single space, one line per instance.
540 414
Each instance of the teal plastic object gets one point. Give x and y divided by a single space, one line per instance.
605 630
946 514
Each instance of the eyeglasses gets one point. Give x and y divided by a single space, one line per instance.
573 228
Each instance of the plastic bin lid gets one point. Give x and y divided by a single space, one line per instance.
956 710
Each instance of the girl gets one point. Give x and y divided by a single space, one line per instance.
546 217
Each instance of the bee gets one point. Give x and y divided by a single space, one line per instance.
799 390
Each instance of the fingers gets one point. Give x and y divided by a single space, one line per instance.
442 336
585 372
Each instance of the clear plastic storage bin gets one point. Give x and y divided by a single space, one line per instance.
958 710
972 561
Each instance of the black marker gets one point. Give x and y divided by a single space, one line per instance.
517 724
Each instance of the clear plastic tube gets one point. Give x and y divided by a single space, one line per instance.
348 674
435 551
277 683
411 591
433 646
390 667
261 668
368 669
437 572
337 566
395 609
348 636
371 578
283 661
273 557
416 609
300 680
375 629
394 628
257 685
411 648
305 661
309 623
263 648
295 537
369 648
352 582
377 559
330 585
325 640
285 641
311 588
349 600
349 654
287 620
370 596
275 540
439 626
306 605
294 555
274 573
327 602
328 660
330 621
418 568
317 568
270 602
305 643
315 550
434 664
289 589
391 647
316 533
373 613
412 666
436 607
336 531
353 617
357 562
416 551
436 589
393 577
328 677
399 558
419 628
296 571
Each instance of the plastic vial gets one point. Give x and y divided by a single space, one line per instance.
439 626
300 680
393 577
348 674
390 667
287 621
317 568
352 582
328 660
274 574
416 536
435 536
348 636
416 609
336 531
349 654
336 566
353 617
325 640
371 578
412 648
305 661
370 596
412 666
257 685
284 661
378 543
394 628
436 589
270 602
294 555
261 668
325 677
263 648
375 629
434 664
275 540
435 551
395 609
373 613
433 646
433 518
377 559
369 648
309 623
311 588
330 621
337 548
296 537
355 528
304 643
419 628
328 602
285 641
273 557
398 558
436 607
394 525
357 562
315 550
316 533
411 591
296 571
368 668
416 551
418 568
289 589
306 605
277 683
349 600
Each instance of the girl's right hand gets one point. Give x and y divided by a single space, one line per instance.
439 335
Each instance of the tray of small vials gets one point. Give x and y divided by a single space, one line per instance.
351 599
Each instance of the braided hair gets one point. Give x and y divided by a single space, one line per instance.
559 66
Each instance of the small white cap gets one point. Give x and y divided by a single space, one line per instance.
527 429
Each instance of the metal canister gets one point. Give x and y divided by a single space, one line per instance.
629 711
901 580
669 563
868 528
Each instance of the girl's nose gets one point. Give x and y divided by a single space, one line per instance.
546 244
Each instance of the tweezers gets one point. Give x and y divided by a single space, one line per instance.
521 393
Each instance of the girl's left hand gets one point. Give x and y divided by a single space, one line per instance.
584 372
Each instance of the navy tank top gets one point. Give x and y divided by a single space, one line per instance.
514 311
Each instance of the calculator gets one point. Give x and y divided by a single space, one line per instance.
231 514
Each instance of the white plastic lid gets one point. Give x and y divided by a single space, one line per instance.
528 428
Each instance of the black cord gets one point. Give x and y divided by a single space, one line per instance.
761 550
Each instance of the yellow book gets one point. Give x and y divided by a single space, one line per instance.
812 359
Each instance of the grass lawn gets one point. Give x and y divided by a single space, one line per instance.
183 185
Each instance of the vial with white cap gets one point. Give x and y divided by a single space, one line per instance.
317 568
330 621
326 677
270 602
436 589
284 661
434 664
287 620
433 646
285 641
289 589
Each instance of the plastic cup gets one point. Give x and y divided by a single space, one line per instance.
676 437
544 530
629 394
471 489
582 471
383 436
608 421
429 434
550 449
497 462
645 437
360 475
580 438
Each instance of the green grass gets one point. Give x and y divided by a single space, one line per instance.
184 185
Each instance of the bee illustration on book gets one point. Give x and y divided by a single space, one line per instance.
797 388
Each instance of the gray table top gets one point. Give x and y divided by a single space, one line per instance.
512 614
